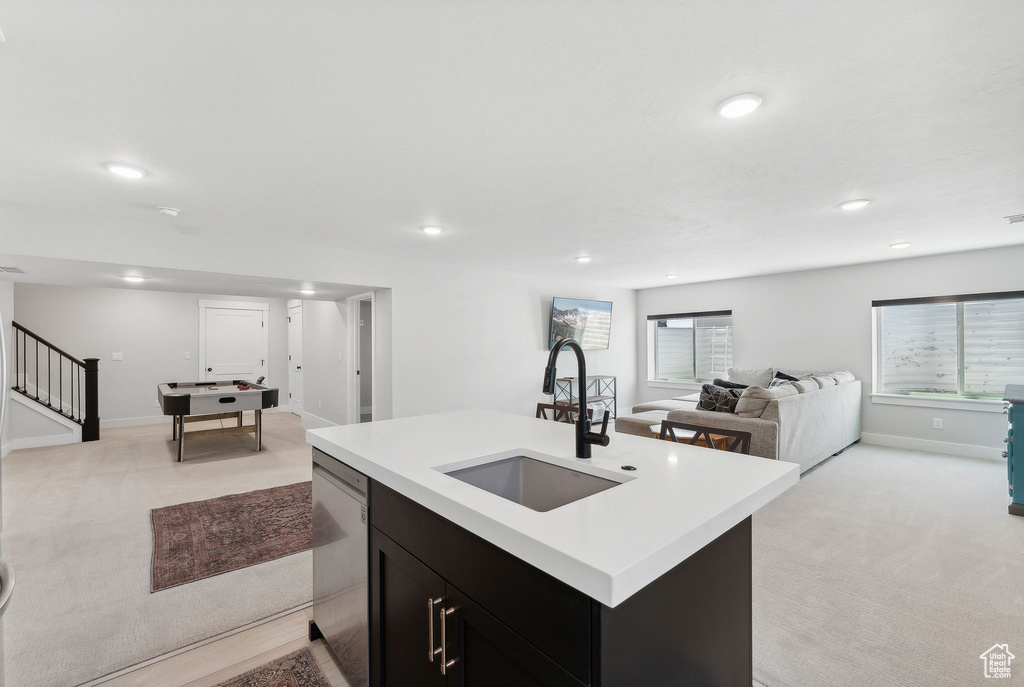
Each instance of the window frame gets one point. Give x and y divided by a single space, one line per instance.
652 348
961 399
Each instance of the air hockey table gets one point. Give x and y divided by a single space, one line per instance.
189 402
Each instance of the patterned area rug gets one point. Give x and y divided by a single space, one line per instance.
297 669
200 539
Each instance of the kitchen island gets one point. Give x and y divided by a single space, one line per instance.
495 559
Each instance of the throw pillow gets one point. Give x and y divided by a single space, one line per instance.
825 380
761 378
784 376
843 376
716 399
755 400
805 385
726 384
779 381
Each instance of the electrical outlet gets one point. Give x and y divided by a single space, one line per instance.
188 356
320 404
936 423
339 356
117 356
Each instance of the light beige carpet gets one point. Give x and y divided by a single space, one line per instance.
77 531
888 567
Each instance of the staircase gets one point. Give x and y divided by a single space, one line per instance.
57 380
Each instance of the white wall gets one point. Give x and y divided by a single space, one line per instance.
821 320
152 329
6 315
382 377
462 337
324 363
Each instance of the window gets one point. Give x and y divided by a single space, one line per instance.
953 346
690 347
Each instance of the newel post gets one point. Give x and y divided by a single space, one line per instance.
91 426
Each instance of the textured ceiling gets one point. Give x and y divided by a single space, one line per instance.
534 132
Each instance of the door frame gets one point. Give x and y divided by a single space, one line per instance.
232 305
353 355
289 304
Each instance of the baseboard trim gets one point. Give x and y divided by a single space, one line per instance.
931 446
5 449
201 643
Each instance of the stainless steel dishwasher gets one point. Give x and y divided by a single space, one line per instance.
340 564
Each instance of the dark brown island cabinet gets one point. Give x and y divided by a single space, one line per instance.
448 608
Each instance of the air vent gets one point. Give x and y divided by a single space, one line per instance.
1015 219
12 270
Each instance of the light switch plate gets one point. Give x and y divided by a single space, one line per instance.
188 356
937 423
118 356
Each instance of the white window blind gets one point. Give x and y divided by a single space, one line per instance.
692 347
993 345
918 348
968 346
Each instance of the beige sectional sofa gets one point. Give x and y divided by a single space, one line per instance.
804 428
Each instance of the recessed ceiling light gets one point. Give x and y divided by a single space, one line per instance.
900 245
125 171
583 258
433 231
133 278
170 212
671 276
307 292
739 105
855 204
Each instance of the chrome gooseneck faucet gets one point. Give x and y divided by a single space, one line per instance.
584 437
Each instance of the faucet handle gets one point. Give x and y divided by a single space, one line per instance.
604 422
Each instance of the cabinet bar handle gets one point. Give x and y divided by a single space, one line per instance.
445 663
431 651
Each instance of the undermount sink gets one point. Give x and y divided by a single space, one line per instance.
532 482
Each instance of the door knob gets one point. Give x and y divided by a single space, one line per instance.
298 367
209 369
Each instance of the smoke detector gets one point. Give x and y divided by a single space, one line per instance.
1015 219
170 212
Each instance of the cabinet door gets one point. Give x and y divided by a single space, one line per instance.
483 652
406 601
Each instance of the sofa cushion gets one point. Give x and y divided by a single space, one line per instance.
640 423
755 399
695 396
824 380
805 385
666 405
726 384
761 378
717 399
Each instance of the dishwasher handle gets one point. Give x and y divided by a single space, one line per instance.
345 486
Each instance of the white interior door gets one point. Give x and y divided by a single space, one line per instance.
295 358
236 344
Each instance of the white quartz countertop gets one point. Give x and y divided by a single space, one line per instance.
608 545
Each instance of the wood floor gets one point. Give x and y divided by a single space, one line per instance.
208 664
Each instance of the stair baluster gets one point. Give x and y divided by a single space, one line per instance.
81 373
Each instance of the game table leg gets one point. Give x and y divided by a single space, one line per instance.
181 438
259 430
174 427
240 413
